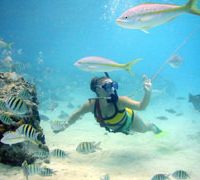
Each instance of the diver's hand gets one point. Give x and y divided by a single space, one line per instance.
147 84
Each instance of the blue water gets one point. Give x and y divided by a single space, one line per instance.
52 35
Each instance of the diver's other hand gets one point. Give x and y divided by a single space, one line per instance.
58 126
147 83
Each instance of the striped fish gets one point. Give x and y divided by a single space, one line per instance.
30 169
105 177
87 147
5 119
58 153
41 154
31 133
17 105
3 106
46 172
25 94
160 177
180 174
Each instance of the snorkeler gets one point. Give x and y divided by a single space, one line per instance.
115 113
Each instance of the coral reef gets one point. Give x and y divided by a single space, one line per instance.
11 84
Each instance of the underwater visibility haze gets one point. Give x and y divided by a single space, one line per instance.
59 46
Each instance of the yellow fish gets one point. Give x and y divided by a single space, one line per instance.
100 64
148 15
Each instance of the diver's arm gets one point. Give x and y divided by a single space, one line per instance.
77 114
125 101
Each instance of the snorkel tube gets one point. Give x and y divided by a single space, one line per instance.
113 96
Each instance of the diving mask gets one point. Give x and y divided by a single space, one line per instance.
110 86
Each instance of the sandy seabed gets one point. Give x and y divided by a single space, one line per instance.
132 157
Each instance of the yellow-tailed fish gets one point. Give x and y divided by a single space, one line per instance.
148 15
100 64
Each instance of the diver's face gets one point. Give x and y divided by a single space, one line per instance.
106 87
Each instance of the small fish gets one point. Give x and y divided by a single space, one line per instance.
6 119
172 111
160 177
58 126
88 147
31 133
17 105
3 106
70 105
175 61
44 117
25 94
195 100
163 118
11 137
46 172
148 15
30 169
105 177
180 98
5 45
58 153
100 64
180 174
41 154
179 114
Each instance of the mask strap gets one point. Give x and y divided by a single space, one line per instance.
107 75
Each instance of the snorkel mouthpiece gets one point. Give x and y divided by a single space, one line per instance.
113 91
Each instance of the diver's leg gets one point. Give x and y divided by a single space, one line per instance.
140 126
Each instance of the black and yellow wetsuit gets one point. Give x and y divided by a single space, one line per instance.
120 121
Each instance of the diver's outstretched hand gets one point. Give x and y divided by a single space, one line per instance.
58 126
147 83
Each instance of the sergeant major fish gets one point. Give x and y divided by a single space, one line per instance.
46 172
23 133
148 15
2 105
58 153
6 119
100 64
160 177
87 147
180 174
41 154
25 94
31 133
17 105
30 169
